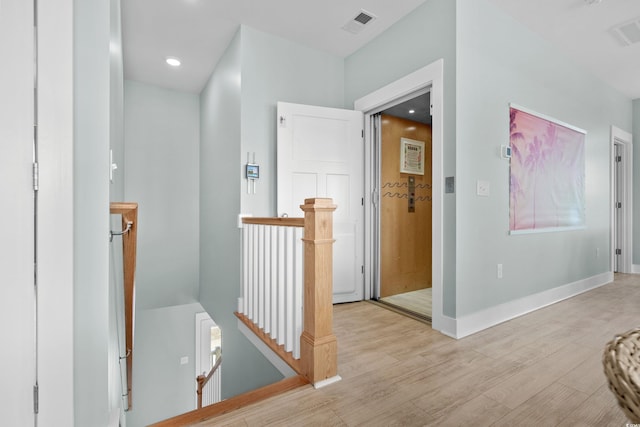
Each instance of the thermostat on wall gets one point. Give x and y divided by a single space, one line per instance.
506 152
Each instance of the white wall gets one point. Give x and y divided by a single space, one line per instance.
17 361
426 35
162 386
55 214
275 69
636 180
91 36
220 189
161 174
501 62
162 135
117 381
490 60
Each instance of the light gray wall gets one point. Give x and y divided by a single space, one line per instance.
424 36
117 345
162 386
500 62
162 134
91 211
244 367
17 369
636 181
275 69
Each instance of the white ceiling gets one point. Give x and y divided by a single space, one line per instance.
582 31
198 32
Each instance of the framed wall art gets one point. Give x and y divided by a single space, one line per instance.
547 173
411 156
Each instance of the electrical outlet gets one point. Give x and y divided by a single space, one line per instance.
482 188
499 271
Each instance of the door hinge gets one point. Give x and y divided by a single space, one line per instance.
36 176
619 205
362 133
618 158
362 201
430 109
618 251
362 269
36 399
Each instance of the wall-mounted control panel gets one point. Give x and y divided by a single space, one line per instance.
411 195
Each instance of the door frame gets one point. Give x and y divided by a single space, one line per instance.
624 227
430 76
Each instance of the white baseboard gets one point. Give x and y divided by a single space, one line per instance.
271 356
483 319
327 382
635 269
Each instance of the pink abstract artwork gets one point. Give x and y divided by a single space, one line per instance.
547 174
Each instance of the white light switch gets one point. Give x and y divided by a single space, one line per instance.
184 360
483 188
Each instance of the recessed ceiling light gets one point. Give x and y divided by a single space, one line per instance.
174 62
412 111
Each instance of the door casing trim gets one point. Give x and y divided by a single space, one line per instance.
428 76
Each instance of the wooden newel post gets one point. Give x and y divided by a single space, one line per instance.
200 379
318 345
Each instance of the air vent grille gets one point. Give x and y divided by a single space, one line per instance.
355 25
627 33
363 18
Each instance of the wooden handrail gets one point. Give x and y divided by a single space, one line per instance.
202 380
283 222
129 212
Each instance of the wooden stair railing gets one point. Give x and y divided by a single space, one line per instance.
318 346
319 350
129 212
203 380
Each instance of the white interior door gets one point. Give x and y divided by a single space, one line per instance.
17 294
321 154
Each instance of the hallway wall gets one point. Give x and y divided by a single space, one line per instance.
161 174
426 35
500 62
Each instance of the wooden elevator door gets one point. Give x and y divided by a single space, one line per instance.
405 237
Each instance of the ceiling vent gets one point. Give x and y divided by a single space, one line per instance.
357 24
627 33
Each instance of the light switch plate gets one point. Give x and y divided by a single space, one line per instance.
483 188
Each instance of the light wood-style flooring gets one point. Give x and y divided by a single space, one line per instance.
418 301
541 369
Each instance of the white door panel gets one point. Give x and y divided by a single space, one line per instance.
321 154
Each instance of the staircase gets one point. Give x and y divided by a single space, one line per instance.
286 302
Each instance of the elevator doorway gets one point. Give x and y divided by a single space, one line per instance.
406 207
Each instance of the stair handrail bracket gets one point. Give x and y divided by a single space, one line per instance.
319 346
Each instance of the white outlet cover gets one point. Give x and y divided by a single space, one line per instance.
483 188
184 360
